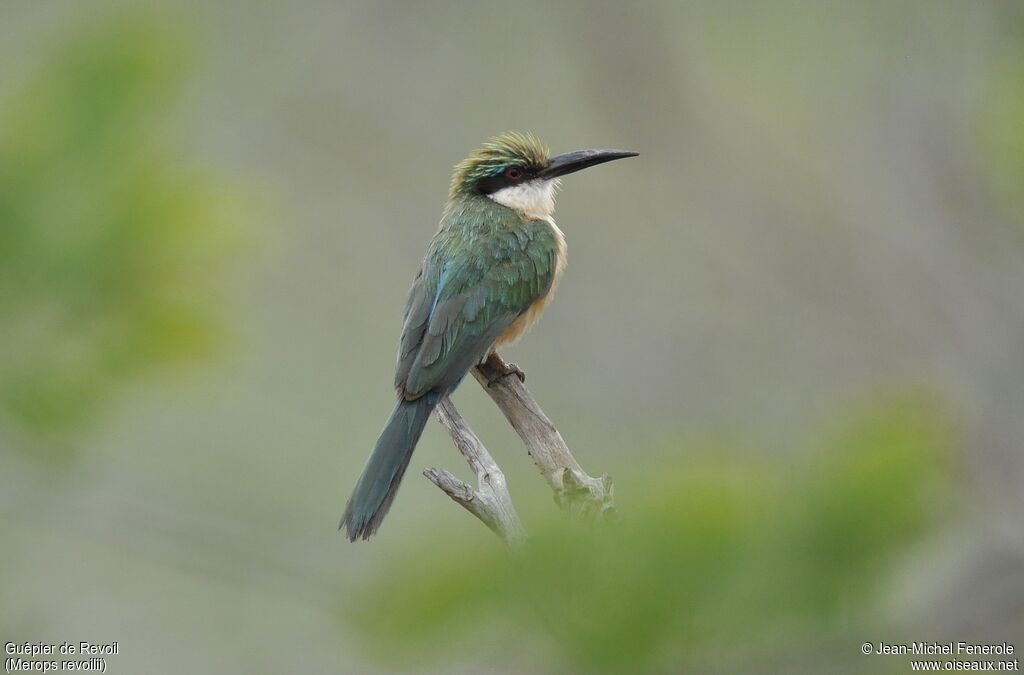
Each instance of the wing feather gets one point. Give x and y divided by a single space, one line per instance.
462 300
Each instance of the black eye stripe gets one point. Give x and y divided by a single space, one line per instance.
492 184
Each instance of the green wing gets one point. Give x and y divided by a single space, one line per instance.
464 297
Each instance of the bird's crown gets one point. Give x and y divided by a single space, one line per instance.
509 150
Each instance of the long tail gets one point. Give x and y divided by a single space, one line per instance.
383 472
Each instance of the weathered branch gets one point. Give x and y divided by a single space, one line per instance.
575 490
490 501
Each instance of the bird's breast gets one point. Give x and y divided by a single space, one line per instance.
527 319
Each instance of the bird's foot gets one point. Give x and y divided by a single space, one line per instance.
497 368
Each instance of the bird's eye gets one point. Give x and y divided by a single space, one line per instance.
514 173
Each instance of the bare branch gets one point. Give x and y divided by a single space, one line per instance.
576 491
490 501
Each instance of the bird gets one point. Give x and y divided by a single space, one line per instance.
488 274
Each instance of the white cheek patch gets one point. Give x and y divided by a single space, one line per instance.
534 199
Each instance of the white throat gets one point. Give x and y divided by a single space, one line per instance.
534 199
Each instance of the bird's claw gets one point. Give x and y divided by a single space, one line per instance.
501 369
508 369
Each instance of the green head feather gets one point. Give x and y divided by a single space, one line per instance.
494 156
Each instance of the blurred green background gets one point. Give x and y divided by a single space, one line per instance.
791 331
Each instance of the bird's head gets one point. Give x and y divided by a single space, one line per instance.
517 171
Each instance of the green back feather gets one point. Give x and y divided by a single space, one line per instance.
485 266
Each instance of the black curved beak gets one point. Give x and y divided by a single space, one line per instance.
570 162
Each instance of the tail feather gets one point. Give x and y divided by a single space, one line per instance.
383 472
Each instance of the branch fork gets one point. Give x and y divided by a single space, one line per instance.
576 492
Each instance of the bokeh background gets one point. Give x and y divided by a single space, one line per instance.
792 331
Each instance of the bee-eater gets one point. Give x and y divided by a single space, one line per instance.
488 274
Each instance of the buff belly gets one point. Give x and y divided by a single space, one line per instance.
527 319
524 323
